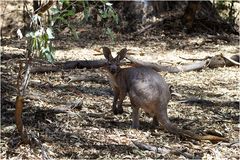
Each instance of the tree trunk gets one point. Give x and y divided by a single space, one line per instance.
189 14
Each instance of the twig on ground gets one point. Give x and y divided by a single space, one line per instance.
196 59
189 123
39 143
197 100
87 79
163 150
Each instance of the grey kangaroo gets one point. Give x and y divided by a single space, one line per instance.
146 90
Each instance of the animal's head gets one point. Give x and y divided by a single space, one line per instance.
113 64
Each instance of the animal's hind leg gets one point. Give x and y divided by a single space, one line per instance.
135 107
162 117
135 117
155 121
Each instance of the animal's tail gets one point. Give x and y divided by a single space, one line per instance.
188 134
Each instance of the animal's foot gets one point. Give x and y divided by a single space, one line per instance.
120 110
135 126
117 110
155 122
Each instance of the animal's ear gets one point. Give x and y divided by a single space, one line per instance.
107 53
121 54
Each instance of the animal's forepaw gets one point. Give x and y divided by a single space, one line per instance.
117 110
135 126
120 110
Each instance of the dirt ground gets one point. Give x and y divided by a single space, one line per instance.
90 130
73 119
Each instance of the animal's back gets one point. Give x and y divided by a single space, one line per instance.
146 88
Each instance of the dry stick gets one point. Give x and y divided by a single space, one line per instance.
20 101
189 123
163 150
44 8
170 69
235 142
19 106
231 60
209 57
195 59
26 78
143 29
43 149
21 93
70 65
83 78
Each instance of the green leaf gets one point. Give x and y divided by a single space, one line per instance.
62 19
110 33
34 44
64 1
86 13
49 57
55 11
116 19
68 13
47 54
36 18
104 15
30 34
50 33
37 43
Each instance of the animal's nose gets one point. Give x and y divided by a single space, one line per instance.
113 70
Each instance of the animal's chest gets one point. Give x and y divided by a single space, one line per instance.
113 82
118 82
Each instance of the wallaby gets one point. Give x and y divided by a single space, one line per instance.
146 90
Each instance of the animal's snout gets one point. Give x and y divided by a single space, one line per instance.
113 69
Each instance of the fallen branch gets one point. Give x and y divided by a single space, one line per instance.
233 60
170 69
164 150
143 29
87 79
211 62
196 100
69 65
189 123
196 59
219 60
